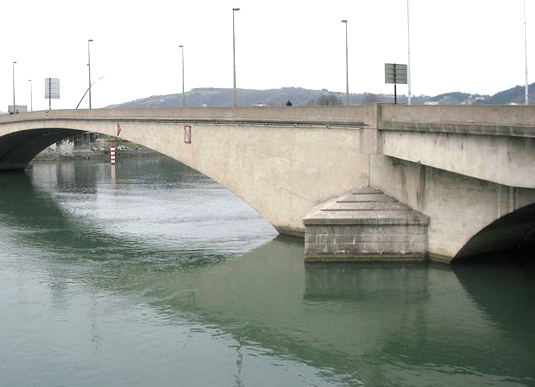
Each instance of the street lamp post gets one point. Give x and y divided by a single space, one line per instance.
409 96
234 97
14 105
347 67
89 67
526 97
31 95
183 94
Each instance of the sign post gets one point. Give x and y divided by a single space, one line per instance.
396 74
51 90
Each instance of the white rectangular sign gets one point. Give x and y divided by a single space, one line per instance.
395 73
52 88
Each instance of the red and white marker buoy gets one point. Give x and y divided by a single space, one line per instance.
112 152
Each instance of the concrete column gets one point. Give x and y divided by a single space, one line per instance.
369 143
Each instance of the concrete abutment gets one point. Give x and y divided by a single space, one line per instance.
463 190
365 225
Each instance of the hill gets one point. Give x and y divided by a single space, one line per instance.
513 96
222 97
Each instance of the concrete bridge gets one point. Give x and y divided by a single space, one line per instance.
442 182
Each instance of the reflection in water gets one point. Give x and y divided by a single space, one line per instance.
162 277
381 325
506 293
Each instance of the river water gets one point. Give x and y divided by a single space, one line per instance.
150 274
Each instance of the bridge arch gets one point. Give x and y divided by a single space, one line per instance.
280 161
512 234
18 149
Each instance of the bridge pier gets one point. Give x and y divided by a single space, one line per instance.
365 225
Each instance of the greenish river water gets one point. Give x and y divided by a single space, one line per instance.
149 274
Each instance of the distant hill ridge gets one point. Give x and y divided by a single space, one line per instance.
222 97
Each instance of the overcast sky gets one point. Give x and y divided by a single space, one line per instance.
474 46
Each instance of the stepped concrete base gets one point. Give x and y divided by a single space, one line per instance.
365 225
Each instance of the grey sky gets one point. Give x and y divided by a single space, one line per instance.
456 45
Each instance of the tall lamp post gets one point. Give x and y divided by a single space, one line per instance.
183 94
409 96
31 95
14 105
347 67
526 55
234 97
89 67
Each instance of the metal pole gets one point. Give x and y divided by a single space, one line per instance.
234 97
183 94
526 55
31 95
347 66
14 105
409 96
89 66
395 85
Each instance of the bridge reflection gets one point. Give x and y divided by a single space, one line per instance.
384 325
378 324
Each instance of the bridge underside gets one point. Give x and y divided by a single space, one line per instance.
18 149
510 237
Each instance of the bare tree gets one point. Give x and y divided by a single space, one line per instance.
372 98
326 100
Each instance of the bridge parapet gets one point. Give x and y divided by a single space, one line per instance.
320 116
490 115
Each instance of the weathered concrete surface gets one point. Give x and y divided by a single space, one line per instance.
365 225
504 160
459 206
435 175
281 161
464 167
495 143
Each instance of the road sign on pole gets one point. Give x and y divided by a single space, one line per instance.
396 74
51 90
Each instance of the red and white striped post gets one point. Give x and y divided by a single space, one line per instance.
112 152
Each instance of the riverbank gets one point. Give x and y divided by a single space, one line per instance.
85 152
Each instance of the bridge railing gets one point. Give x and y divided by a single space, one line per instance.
517 121
279 115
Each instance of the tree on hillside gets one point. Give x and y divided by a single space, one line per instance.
371 98
326 100
454 98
